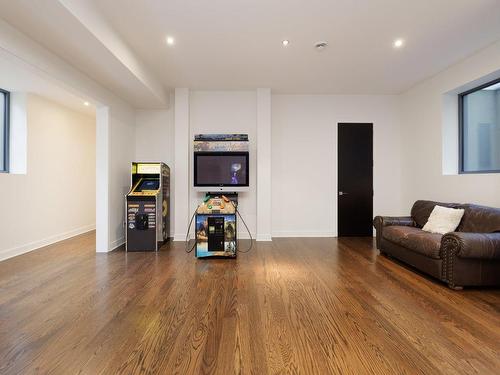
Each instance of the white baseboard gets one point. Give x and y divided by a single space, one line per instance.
303 234
267 237
116 243
264 237
245 236
18 250
241 236
180 237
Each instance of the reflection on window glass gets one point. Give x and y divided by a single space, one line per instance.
481 129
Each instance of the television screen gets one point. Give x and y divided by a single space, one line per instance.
148 185
221 169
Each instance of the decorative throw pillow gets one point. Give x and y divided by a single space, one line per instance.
443 220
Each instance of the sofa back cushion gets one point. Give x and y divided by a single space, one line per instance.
421 210
476 219
480 219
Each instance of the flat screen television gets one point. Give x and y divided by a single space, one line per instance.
221 169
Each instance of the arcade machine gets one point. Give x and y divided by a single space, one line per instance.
147 207
221 170
216 226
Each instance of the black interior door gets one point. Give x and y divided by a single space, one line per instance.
355 179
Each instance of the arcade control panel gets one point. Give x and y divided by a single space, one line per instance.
218 204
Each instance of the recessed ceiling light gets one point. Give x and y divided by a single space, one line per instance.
170 40
398 43
86 104
285 43
321 45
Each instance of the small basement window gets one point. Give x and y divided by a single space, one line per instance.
479 129
4 130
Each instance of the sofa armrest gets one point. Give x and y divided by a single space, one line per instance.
379 222
472 245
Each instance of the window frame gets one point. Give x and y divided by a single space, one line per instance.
461 128
6 118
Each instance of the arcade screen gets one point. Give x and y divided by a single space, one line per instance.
221 169
148 185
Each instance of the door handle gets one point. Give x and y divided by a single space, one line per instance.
343 193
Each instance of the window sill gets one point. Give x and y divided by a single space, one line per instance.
479 172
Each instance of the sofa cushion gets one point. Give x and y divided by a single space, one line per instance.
415 239
480 219
421 210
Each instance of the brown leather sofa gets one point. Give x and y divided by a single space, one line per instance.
470 256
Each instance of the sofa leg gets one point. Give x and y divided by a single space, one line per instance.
455 287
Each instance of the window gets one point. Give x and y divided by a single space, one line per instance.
479 118
4 130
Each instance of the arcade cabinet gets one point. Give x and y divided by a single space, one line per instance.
216 226
148 207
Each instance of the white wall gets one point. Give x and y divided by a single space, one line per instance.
121 154
56 198
181 163
154 141
304 159
18 133
423 131
264 165
303 150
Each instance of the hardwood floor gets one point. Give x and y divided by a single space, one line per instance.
293 306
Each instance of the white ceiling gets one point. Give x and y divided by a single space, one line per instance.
236 44
60 26
17 76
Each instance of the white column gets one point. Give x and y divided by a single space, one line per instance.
264 224
102 180
181 163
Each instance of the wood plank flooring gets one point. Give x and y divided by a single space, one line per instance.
293 306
